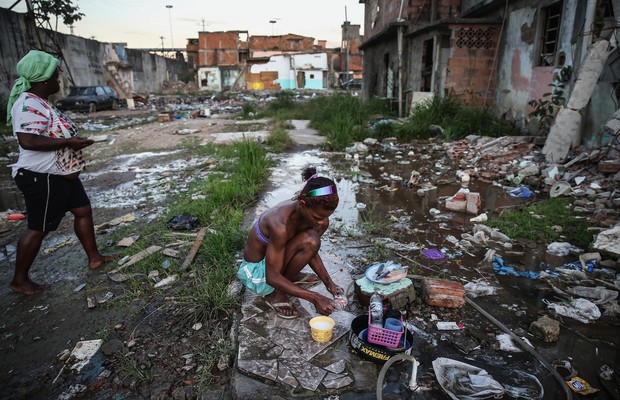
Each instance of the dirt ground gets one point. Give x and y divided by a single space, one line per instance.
38 332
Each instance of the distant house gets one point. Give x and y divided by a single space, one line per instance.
490 52
289 71
234 59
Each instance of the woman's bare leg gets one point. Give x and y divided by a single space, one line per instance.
85 231
28 247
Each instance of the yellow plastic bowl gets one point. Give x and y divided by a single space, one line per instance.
322 328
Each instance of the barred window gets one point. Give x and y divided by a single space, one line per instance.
551 17
474 38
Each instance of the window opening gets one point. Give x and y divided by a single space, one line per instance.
551 30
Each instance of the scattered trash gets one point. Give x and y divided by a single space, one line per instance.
127 261
16 217
72 392
526 386
171 252
166 281
597 295
480 218
126 242
396 245
118 278
465 382
197 326
506 343
194 250
105 297
79 287
433 254
63 243
580 309
186 131
449 326
579 385
165 264
479 288
501 269
182 222
589 261
610 380
387 272
562 249
116 221
523 192
83 352
559 189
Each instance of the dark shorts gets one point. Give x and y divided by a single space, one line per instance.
48 197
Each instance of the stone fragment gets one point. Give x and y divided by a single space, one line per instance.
545 328
609 166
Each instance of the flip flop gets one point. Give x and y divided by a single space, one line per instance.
308 280
274 306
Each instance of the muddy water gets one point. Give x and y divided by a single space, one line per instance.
382 188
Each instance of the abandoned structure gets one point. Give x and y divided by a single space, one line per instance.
234 59
85 62
495 53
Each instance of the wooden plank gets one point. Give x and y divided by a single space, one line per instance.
194 250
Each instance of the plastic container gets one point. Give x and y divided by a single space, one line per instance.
322 328
358 340
384 337
433 254
375 310
341 302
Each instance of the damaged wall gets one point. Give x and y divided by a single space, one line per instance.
289 71
86 59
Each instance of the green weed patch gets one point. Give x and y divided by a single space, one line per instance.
545 222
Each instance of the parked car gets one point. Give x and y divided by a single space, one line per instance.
355 83
89 98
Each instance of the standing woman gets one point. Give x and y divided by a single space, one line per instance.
48 168
284 240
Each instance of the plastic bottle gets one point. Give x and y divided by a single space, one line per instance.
375 308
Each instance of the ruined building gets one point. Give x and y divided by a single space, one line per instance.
496 53
234 59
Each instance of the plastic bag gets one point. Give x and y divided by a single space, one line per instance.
580 309
597 295
465 382
182 222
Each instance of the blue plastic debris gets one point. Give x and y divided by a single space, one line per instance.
523 191
501 269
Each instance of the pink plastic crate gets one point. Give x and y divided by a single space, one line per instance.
384 337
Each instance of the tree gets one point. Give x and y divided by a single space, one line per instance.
61 9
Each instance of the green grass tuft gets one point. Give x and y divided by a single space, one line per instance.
539 222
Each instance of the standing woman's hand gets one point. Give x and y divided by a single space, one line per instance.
78 143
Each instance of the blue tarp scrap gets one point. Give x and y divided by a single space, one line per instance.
501 269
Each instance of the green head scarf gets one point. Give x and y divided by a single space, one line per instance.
36 66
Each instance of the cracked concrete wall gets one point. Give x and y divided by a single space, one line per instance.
86 58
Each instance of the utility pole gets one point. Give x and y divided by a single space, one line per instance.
348 44
169 7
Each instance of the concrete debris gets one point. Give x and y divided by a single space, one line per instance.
545 328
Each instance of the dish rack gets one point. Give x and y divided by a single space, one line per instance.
384 337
